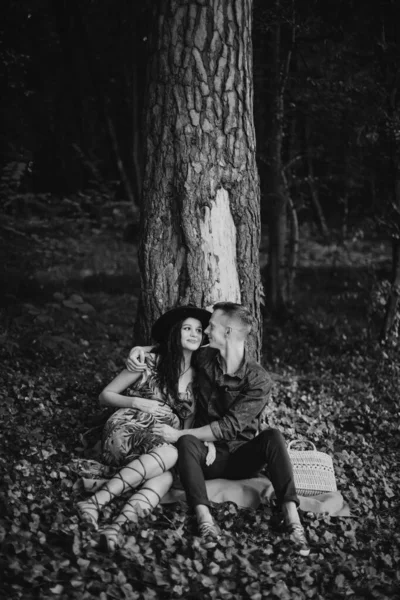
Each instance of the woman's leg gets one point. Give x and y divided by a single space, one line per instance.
140 504
128 478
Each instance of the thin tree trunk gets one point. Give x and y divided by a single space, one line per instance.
103 102
319 214
392 316
345 215
293 225
136 137
277 193
201 211
293 247
393 304
71 94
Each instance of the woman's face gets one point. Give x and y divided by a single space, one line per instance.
191 334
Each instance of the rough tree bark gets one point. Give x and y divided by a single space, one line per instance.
200 217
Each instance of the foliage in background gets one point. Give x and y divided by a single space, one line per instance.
60 60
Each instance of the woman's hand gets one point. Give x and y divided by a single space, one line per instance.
211 454
169 434
153 407
135 360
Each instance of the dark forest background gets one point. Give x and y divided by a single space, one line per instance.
326 98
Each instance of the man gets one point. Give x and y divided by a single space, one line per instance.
232 392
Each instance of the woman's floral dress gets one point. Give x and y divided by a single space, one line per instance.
127 433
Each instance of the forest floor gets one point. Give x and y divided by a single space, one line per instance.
70 286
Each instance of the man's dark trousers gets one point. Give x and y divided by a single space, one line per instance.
267 449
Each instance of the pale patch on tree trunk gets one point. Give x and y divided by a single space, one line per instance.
218 235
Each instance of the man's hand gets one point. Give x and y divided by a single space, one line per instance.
135 361
211 454
169 434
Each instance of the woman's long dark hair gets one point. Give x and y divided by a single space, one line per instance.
170 362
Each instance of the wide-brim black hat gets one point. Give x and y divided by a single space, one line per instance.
162 326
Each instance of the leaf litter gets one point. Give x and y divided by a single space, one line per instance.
332 385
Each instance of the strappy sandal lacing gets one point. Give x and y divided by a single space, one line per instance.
88 511
140 505
109 535
140 497
109 538
126 485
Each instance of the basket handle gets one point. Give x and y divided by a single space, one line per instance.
302 442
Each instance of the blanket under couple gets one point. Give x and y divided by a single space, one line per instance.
245 493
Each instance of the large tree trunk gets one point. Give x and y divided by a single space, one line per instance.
200 219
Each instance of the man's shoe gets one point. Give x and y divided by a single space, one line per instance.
297 537
209 534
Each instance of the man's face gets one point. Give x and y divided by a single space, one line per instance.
216 329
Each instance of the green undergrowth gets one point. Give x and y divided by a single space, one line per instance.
66 326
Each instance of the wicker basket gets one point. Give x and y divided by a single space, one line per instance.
313 471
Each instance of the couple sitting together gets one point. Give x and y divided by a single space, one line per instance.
197 408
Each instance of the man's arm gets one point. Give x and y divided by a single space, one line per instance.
171 435
136 359
205 433
246 407
244 410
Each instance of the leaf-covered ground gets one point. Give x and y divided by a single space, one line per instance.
69 297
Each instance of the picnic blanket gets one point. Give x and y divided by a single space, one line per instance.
250 493
246 493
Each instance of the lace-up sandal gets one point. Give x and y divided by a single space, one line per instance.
297 537
88 511
139 470
126 485
140 505
109 538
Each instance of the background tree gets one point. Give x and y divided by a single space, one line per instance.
201 222
276 27
73 95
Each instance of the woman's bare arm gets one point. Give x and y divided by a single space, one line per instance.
112 396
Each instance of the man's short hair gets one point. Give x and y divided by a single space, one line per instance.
238 312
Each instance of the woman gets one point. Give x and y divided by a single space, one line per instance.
162 393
